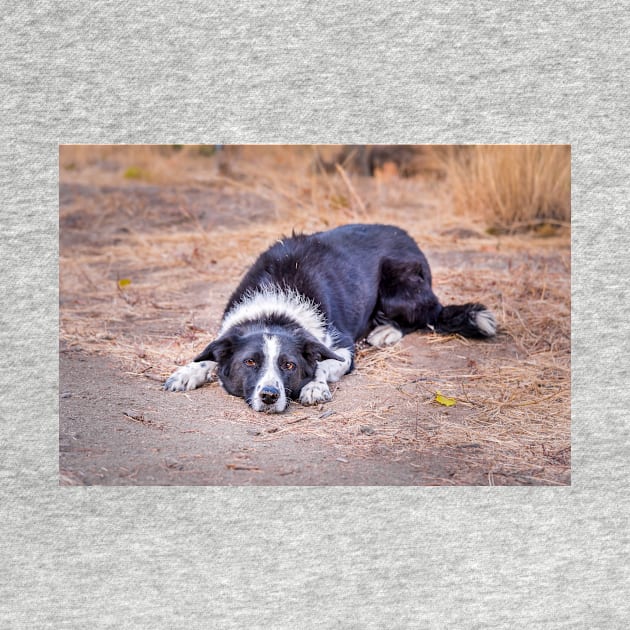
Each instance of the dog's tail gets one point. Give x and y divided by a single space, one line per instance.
469 320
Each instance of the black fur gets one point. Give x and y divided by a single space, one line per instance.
359 277
245 342
460 319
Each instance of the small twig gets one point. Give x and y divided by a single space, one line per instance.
243 467
297 420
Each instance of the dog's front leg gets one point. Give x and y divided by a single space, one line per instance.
328 371
190 376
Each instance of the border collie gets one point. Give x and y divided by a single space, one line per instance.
290 327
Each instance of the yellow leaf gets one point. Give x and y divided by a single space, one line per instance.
135 172
124 282
444 400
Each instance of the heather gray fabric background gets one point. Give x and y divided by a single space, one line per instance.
103 72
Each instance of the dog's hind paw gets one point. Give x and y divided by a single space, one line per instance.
190 376
314 393
384 335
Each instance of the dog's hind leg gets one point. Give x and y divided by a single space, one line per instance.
406 301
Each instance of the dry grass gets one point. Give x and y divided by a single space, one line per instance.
513 395
511 187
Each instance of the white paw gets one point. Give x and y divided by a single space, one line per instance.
384 335
190 376
315 392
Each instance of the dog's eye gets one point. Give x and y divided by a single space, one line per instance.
249 363
289 365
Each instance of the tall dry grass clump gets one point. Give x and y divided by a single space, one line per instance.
510 186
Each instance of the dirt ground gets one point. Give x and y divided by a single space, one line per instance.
153 241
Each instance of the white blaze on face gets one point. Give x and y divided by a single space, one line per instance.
270 376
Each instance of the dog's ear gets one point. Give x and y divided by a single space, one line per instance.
217 350
313 350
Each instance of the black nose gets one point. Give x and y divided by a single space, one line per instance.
269 395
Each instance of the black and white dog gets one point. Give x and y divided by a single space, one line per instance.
290 327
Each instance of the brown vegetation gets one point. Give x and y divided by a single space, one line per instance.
148 260
511 187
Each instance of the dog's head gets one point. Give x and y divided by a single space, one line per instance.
267 369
